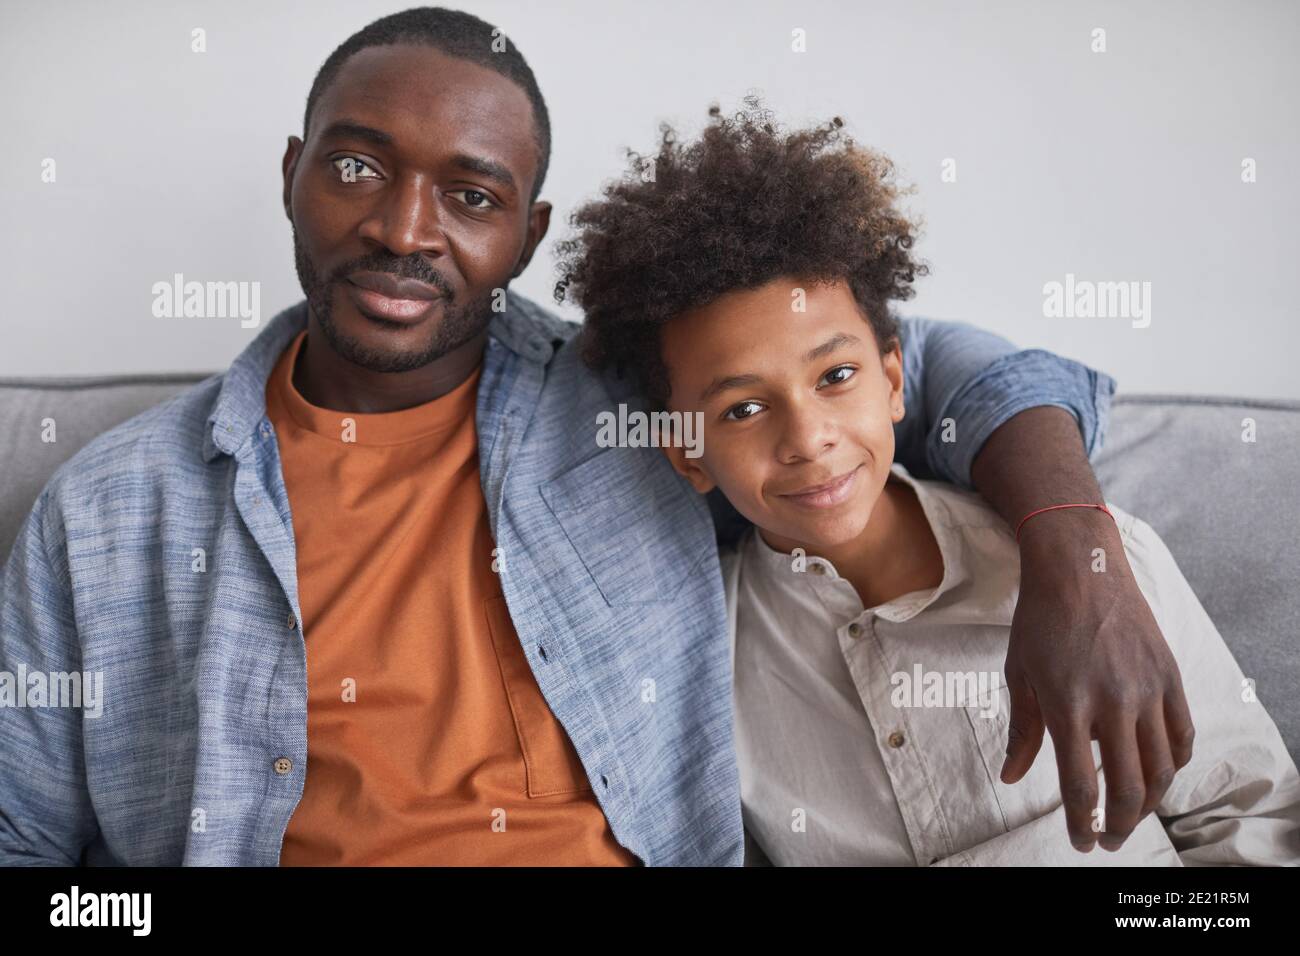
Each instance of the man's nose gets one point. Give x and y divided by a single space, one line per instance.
408 219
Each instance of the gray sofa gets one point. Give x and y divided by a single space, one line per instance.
1228 509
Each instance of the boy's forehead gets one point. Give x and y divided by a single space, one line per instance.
765 326
782 307
427 99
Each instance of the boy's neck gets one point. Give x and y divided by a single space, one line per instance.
895 554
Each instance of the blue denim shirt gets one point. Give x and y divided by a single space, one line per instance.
161 556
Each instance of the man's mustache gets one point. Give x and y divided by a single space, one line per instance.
400 269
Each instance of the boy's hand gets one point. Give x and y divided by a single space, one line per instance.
1086 658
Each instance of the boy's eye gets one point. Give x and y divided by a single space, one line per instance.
474 199
351 168
738 412
833 377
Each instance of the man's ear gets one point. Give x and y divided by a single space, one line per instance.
892 364
287 167
688 468
539 220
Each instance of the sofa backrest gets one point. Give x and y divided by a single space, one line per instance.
80 409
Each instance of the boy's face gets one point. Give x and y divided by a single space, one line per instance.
799 408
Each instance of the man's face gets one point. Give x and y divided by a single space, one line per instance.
410 203
799 408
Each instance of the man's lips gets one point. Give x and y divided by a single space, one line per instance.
393 287
391 298
825 495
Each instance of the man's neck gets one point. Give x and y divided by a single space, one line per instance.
328 380
895 554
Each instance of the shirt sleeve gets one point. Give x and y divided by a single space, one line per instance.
46 817
961 382
1237 802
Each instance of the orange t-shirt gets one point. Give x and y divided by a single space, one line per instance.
428 739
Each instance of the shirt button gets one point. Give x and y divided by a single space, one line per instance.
283 765
818 569
896 739
293 621
855 629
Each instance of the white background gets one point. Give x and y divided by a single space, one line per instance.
1120 166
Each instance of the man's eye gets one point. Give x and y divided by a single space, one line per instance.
736 412
474 199
834 378
351 168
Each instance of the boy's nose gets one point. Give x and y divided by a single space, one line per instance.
806 437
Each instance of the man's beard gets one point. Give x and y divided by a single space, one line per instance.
459 324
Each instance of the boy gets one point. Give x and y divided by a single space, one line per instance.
869 609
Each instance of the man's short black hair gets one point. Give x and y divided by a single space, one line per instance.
744 205
454 33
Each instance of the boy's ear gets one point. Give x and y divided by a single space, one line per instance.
688 468
892 364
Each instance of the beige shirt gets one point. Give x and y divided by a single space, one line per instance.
876 736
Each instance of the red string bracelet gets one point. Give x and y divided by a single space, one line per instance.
1054 508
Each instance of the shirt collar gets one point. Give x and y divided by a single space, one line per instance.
521 327
819 572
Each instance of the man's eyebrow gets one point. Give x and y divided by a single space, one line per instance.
474 164
346 127
836 341
485 167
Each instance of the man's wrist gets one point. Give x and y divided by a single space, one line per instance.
1070 541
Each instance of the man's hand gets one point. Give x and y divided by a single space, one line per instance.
1086 659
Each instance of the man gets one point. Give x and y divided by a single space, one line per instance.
386 545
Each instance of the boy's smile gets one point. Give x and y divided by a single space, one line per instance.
826 495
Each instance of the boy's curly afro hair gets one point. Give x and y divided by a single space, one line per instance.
744 205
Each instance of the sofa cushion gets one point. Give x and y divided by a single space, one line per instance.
1229 510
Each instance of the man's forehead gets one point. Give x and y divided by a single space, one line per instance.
420 94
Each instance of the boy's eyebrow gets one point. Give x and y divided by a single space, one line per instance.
836 341
731 381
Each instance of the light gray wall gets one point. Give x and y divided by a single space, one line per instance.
1115 166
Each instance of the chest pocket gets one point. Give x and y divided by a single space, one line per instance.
637 527
551 762
1035 805
1039 790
